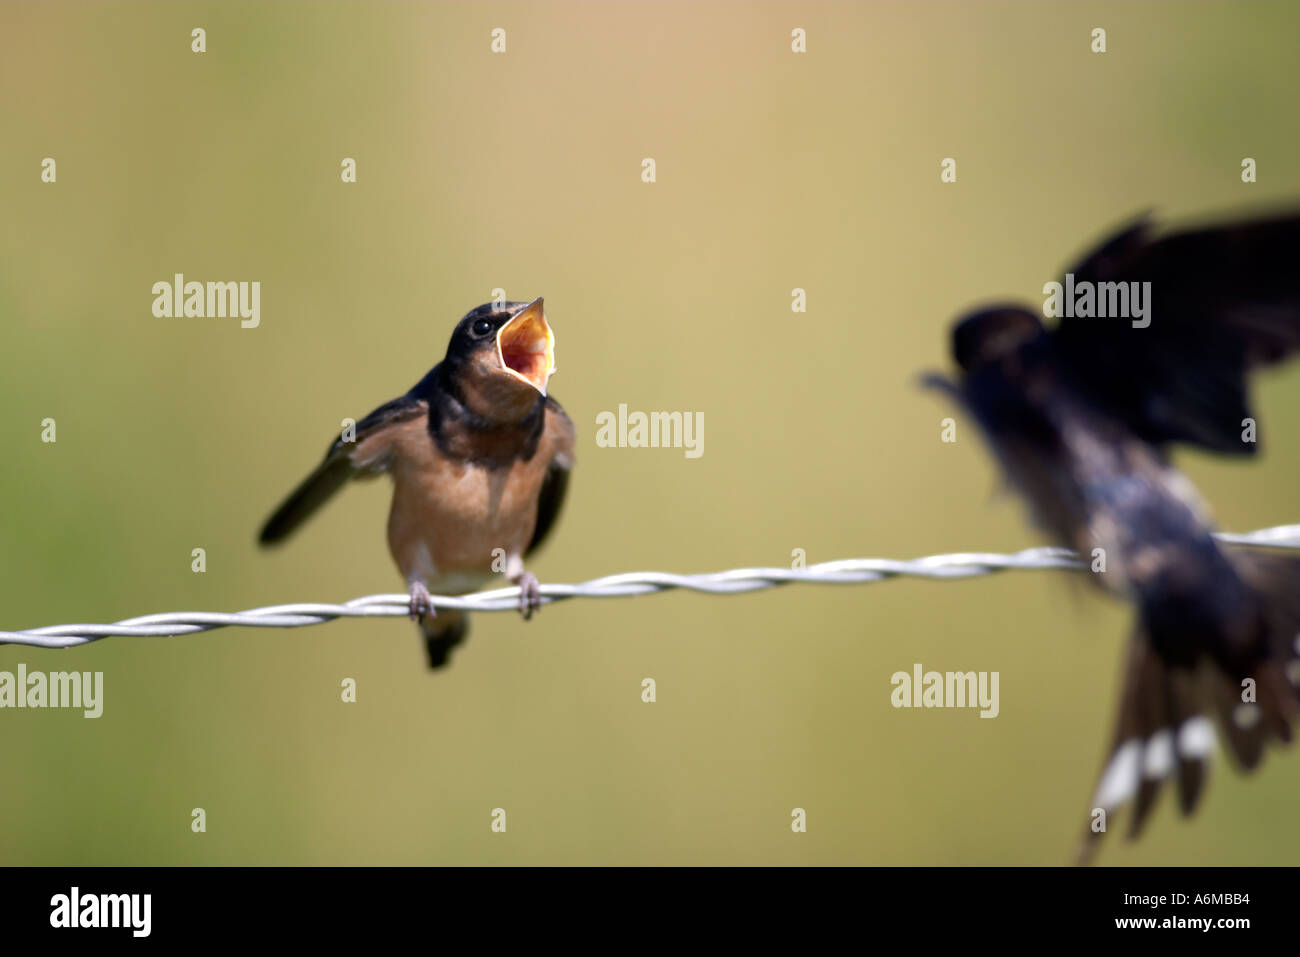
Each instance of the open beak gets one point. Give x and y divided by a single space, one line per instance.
526 346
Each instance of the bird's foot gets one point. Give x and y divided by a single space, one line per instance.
421 602
530 595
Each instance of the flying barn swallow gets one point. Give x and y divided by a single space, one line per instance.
1081 417
480 458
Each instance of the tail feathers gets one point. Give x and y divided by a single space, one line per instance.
1176 741
1274 712
1166 728
443 632
1163 732
315 490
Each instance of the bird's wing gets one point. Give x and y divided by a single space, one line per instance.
1223 301
367 454
556 482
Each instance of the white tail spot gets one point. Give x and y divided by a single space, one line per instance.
1196 738
1246 715
1158 759
1119 781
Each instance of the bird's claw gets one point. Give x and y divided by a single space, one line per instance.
530 595
421 602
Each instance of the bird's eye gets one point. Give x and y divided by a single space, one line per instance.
481 328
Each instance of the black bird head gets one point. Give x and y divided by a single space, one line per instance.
512 340
502 356
992 333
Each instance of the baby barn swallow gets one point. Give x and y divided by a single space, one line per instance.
480 458
1081 417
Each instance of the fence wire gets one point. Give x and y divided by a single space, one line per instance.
849 571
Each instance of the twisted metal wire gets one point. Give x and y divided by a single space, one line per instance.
849 571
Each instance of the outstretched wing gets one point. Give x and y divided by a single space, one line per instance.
343 461
1223 301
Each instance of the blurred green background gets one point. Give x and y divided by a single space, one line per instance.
522 171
